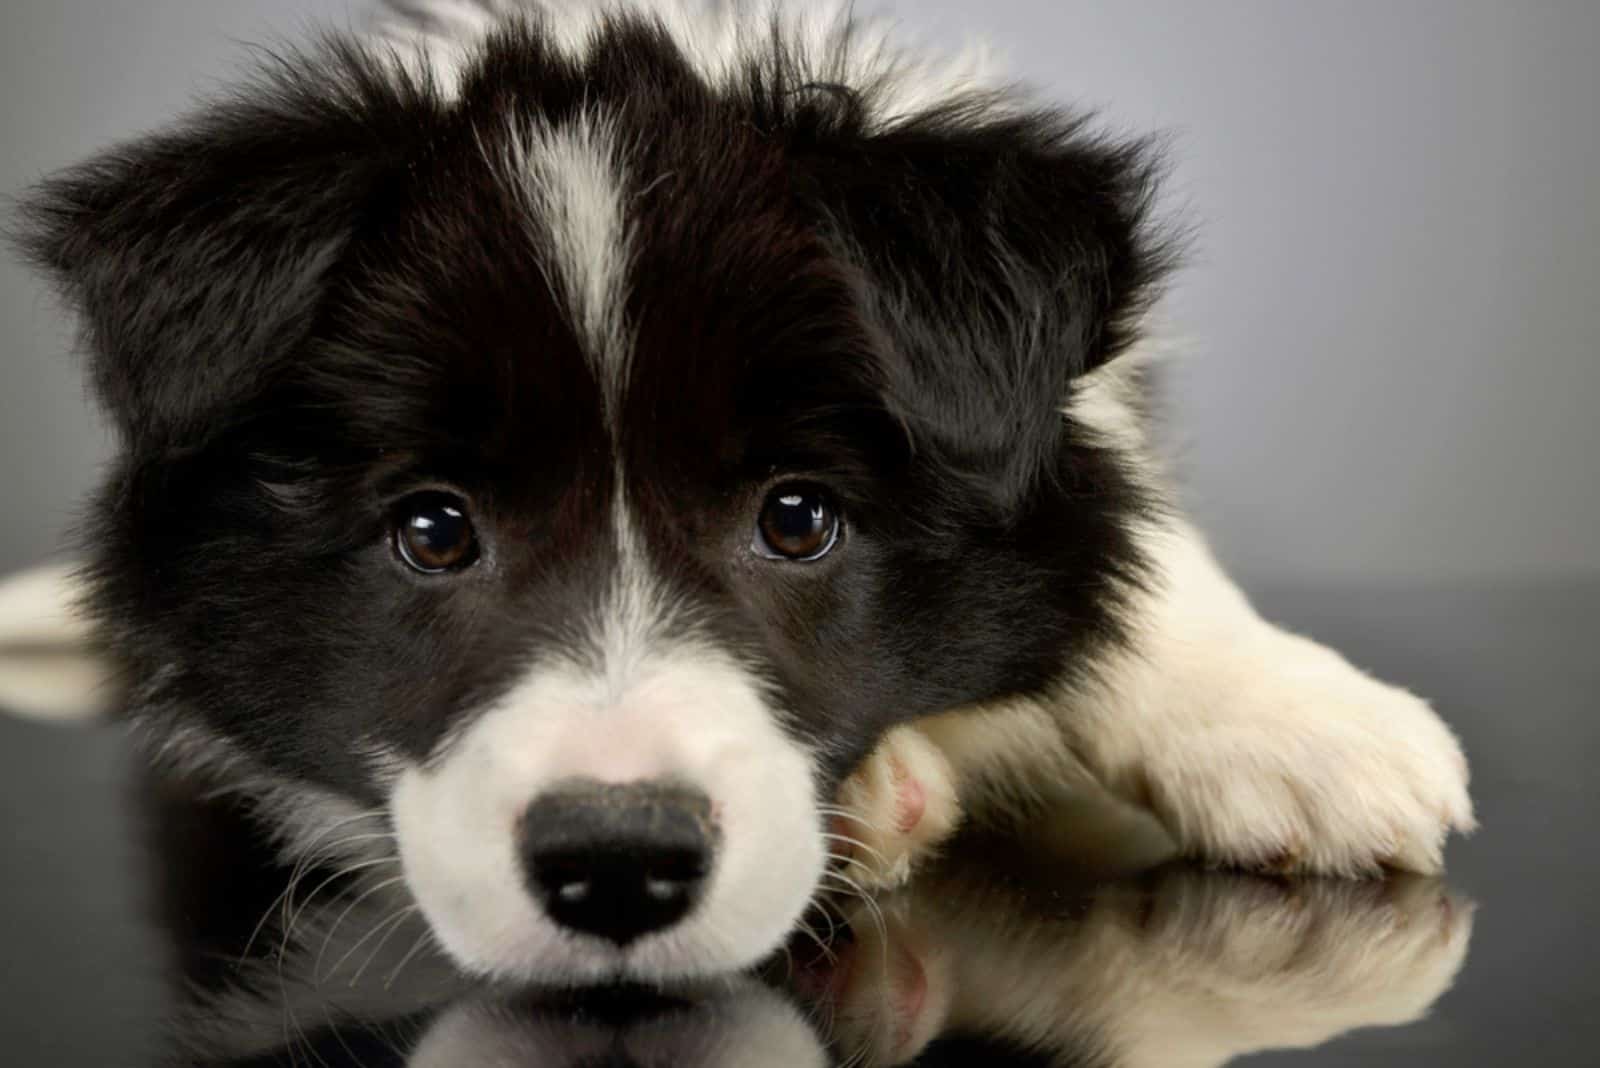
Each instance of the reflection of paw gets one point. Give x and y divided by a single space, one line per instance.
1340 937
1232 963
1263 963
1333 773
887 990
897 807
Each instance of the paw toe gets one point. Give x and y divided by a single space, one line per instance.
901 804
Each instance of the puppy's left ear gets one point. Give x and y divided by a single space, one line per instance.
1002 255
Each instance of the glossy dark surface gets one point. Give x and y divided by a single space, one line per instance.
131 920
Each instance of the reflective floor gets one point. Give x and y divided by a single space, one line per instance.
149 926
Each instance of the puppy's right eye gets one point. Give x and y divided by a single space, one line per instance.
432 533
798 521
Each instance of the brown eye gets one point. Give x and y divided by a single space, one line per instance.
798 522
433 534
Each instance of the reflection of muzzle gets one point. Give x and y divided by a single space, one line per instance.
737 1024
618 860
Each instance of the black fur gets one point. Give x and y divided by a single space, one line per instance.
321 294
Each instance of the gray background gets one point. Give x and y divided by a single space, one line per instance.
1392 312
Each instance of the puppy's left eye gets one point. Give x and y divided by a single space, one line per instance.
798 522
432 533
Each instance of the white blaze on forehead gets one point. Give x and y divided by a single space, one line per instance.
574 181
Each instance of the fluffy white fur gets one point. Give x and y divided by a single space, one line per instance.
681 713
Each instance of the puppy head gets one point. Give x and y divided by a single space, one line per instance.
581 451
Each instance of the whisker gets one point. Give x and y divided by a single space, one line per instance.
860 1055
335 846
316 968
866 868
399 914
790 969
340 874
313 853
338 1036
844 813
393 924
833 928
266 913
872 908
422 940
856 843
827 953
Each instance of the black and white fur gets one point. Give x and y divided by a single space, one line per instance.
610 273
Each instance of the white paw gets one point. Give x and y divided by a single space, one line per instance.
894 810
1327 772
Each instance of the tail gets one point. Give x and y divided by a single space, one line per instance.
49 669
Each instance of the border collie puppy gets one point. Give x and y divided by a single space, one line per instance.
570 447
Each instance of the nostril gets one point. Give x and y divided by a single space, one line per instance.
617 860
664 889
567 877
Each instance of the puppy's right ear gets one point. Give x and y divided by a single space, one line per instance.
196 259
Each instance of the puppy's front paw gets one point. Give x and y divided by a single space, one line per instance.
894 810
1340 775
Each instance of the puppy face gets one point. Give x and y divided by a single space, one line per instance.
582 449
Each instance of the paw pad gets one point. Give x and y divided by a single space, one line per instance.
910 798
900 804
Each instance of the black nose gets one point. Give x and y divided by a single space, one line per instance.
618 860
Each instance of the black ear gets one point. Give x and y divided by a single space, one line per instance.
1003 254
196 258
